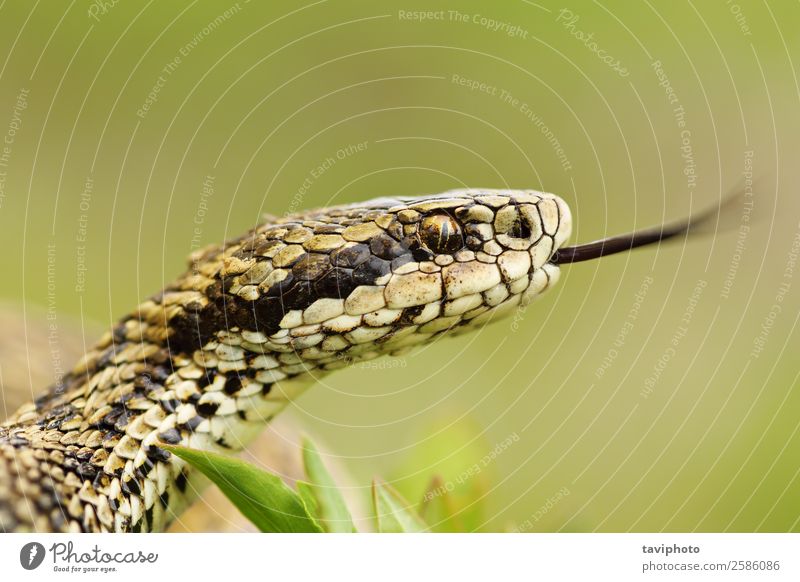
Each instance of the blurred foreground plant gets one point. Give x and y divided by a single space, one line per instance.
316 506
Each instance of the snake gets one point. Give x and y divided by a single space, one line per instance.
252 323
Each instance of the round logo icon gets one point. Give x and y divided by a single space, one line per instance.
31 555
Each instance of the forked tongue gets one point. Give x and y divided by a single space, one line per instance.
722 217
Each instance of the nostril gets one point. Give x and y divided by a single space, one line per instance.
520 228
511 221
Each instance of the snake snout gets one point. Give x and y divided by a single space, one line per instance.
525 223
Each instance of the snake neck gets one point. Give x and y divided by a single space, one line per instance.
87 454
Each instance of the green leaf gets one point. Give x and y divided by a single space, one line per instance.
453 451
393 514
261 497
331 508
307 495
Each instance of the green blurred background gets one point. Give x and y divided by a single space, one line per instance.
261 94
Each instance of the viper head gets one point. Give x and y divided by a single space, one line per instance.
374 276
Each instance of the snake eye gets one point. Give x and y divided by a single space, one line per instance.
441 233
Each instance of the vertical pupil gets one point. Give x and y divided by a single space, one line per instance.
444 232
441 234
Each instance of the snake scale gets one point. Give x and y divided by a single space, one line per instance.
207 362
